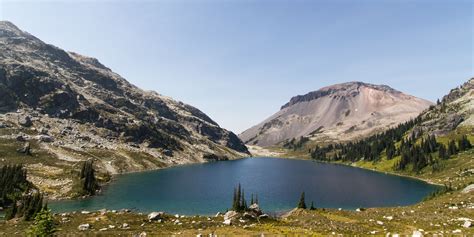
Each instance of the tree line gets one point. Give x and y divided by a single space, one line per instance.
417 155
13 184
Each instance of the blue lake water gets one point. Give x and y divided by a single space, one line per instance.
206 189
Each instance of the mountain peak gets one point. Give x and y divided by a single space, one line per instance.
337 112
356 85
75 93
8 25
343 89
8 29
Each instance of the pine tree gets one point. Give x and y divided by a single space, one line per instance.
452 149
243 206
312 208
464 143
235 202
13 184
88 178
302 203
239 198
390 150
11 212
442 153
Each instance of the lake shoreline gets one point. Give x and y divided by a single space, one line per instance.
359 167
246 170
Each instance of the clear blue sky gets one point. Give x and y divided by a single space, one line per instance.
240 60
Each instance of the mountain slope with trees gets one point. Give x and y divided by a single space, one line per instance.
60 108
420 146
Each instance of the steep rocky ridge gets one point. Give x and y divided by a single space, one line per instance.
453 111
75 108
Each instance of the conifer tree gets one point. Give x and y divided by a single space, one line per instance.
312 208
302 203
43 225
452 149
390 150
442 153
89 181
235 202
243 206
464 143
13 184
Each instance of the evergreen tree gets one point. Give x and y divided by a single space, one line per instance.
43 225
244 205
27 207
390 150
31 204
13 184
452 149
312 208
11 212
235 202
464 143
89 181
239 198
302 203
442 153
239 202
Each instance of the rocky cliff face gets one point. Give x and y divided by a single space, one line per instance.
454 111
77 104
337 113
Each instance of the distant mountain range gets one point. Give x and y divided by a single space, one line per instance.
337 113
66 100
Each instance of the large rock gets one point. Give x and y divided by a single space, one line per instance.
417 233
231 215
26 149
468 189
154 216
45 138
255 209
83 227
25 121
227 222
467 224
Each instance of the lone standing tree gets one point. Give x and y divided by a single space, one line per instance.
89 185
302 203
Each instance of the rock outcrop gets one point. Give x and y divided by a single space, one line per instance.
454 110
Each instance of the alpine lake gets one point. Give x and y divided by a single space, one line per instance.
205 189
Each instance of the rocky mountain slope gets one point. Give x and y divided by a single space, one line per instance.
337 113
72 108
454 111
